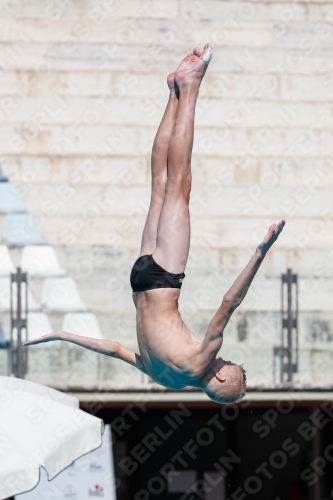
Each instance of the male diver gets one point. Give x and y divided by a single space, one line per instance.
169 352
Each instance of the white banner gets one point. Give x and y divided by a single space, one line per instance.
89 478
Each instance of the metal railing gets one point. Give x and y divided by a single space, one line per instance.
18 323
288 351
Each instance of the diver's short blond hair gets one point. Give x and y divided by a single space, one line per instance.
230 391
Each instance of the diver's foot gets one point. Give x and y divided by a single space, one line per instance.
193 74
186 63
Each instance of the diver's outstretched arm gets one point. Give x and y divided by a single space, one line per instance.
107 347
235 295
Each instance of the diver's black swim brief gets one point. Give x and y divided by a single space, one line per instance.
147 275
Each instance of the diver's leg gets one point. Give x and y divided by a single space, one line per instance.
159 159
173 232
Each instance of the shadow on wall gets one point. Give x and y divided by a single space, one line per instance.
319 330
242 329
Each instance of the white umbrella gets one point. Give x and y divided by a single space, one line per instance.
40 426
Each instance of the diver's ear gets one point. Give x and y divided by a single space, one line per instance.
220 377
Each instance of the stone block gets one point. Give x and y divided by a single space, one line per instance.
268 173
242 143
78 171
133 111
275 86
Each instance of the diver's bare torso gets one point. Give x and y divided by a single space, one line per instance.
170 352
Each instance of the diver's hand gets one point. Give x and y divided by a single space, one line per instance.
273 233
57 335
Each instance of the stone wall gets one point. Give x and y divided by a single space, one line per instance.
82 92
